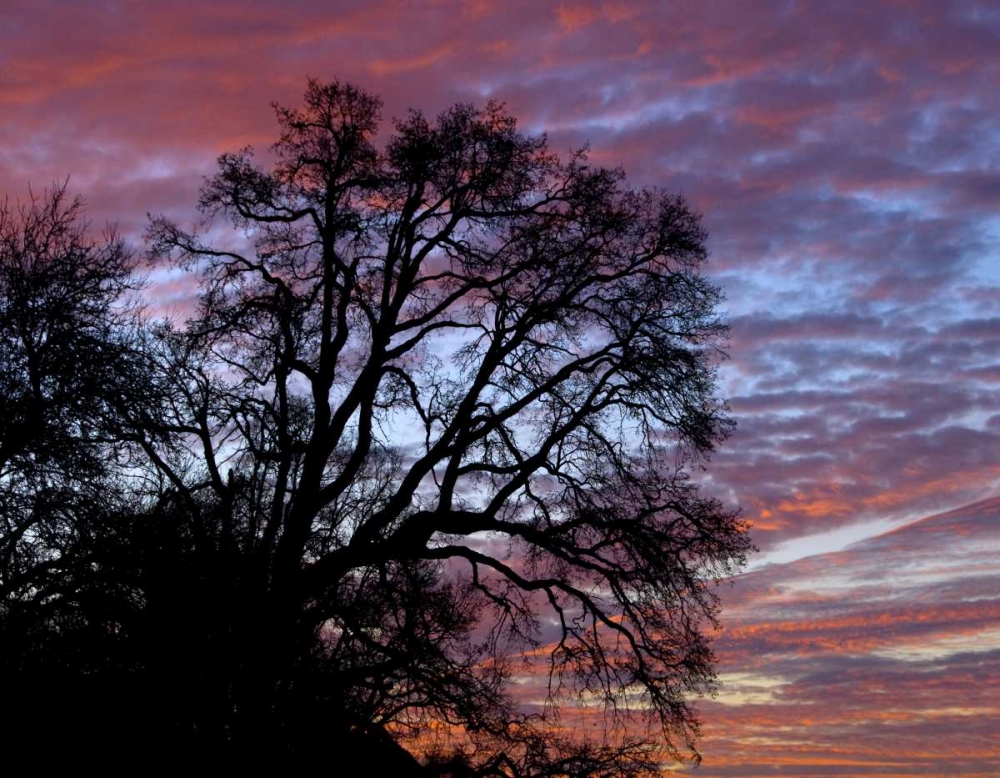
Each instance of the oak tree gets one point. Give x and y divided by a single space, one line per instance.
446 393
69 367
63 306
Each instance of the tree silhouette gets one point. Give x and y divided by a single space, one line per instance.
62 374
453 370
439 403
68 366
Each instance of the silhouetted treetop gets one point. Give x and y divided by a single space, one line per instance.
460 336
64 377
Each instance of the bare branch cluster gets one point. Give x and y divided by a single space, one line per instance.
440 403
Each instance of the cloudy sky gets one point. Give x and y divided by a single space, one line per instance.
846 157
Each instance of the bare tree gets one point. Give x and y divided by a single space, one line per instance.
63 303
439 394
69 366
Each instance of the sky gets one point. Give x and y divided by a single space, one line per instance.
846 158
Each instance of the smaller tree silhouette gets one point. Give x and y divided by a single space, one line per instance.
69 370
64 376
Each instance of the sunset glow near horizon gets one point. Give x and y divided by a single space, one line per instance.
846 158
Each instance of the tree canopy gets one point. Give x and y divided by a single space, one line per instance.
435 415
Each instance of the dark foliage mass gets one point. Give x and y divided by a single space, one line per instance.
439 404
